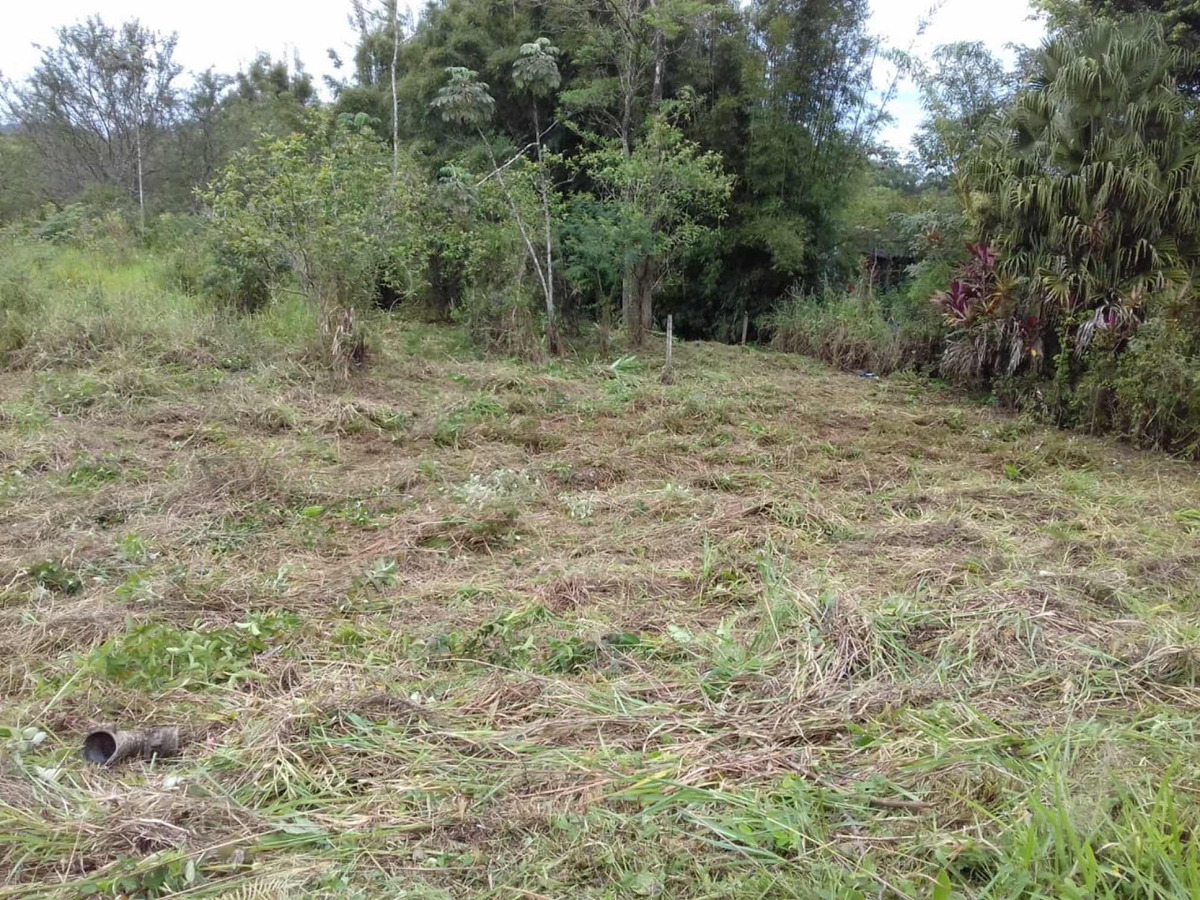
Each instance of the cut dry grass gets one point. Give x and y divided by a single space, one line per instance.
470 628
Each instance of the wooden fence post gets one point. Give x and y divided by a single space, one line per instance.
670 340
745 327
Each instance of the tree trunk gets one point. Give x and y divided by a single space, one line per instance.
648 275
639 308
628 98
629 317
646 282
141 192
544 189
629 313
395 96
656 90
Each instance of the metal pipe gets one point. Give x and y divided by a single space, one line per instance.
108 746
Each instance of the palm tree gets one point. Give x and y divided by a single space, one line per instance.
1087 195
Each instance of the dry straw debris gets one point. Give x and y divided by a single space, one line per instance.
467 627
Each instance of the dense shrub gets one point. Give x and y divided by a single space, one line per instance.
203 261
480 273
1149 391
328 203
1157 388
232 280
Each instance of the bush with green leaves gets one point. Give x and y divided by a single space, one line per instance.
525 183
668 193
201 261
1149 391
326 201
480 270
1157 388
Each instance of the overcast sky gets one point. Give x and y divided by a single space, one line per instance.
228 33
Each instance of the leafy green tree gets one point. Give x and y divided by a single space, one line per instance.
201 149
593 264
623 53
781 94
464 99
885 193
222 114
964 91
483 36
794 125
536 69
668 194
809 121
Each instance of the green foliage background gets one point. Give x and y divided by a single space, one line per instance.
529 169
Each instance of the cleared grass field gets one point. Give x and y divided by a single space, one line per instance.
466 627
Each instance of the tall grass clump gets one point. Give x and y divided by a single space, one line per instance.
60 305
859 330
65 305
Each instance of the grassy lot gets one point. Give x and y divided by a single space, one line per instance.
467 627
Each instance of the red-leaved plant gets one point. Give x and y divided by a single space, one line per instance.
973 292
988 335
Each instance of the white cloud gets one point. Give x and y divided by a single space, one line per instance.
223 33
998 23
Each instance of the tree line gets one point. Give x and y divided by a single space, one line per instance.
541 170
692 154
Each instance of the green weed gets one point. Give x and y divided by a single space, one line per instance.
54 576
156 656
